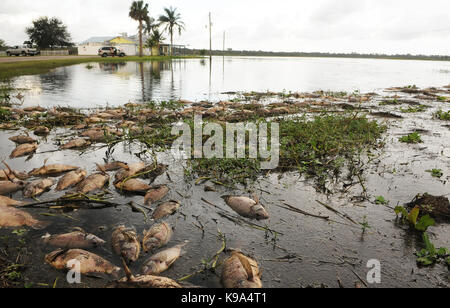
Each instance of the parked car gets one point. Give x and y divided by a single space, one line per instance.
110 52
22 51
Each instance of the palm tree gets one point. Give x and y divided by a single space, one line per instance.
139 12
150 24
154 40
172 20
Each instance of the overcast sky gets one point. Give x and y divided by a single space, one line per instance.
365 26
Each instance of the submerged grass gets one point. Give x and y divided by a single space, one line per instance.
34 67
319 148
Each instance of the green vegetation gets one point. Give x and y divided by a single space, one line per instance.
412 217
48 33
319 148
413 138
437 173
416 109
442 115
429 255
5 115
13 69
381 200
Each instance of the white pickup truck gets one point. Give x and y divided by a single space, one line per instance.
22 51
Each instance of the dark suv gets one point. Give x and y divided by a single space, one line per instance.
111 52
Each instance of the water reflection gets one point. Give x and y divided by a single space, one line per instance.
204 79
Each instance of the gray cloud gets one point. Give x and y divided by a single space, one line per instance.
401 26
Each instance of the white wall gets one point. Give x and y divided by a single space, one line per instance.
92 50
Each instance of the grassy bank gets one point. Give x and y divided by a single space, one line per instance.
19 68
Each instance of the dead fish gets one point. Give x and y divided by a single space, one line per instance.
156 194
114 166
158 236
21 139
34 108
133 185
146 282
9 202
76 143
41 131
166 209
23 150
71 179
8 187
125 243
76 239
6 175
246 207
93 182
131 170
89 263
95 135
38 187
13 217
161 261
240 271
48 170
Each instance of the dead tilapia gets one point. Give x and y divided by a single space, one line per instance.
131 170
156 194
246 207
158 236
125 243
89 263
93 182
37 188
133 186
6 175
9 202
114 166
71 179
76 239
13 217
240 271
8 187
75 144
41 131
161 261
21 139
49 170
166 209
24 150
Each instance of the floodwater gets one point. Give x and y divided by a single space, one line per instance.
307 251
115 84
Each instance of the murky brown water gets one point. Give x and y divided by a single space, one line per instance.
326 251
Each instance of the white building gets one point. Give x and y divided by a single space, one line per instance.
91 46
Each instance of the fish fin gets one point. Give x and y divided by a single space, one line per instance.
127 270
247 266
101 168
255 198
45 161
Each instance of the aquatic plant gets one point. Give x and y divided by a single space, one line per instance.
437 173
442 115
413 138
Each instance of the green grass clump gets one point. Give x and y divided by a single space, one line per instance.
437 173
442 115
416 109
5 115
413 138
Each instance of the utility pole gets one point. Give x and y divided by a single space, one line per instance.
224 43
210 36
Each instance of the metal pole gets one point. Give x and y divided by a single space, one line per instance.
210 36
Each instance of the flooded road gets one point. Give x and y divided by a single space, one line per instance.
292 249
